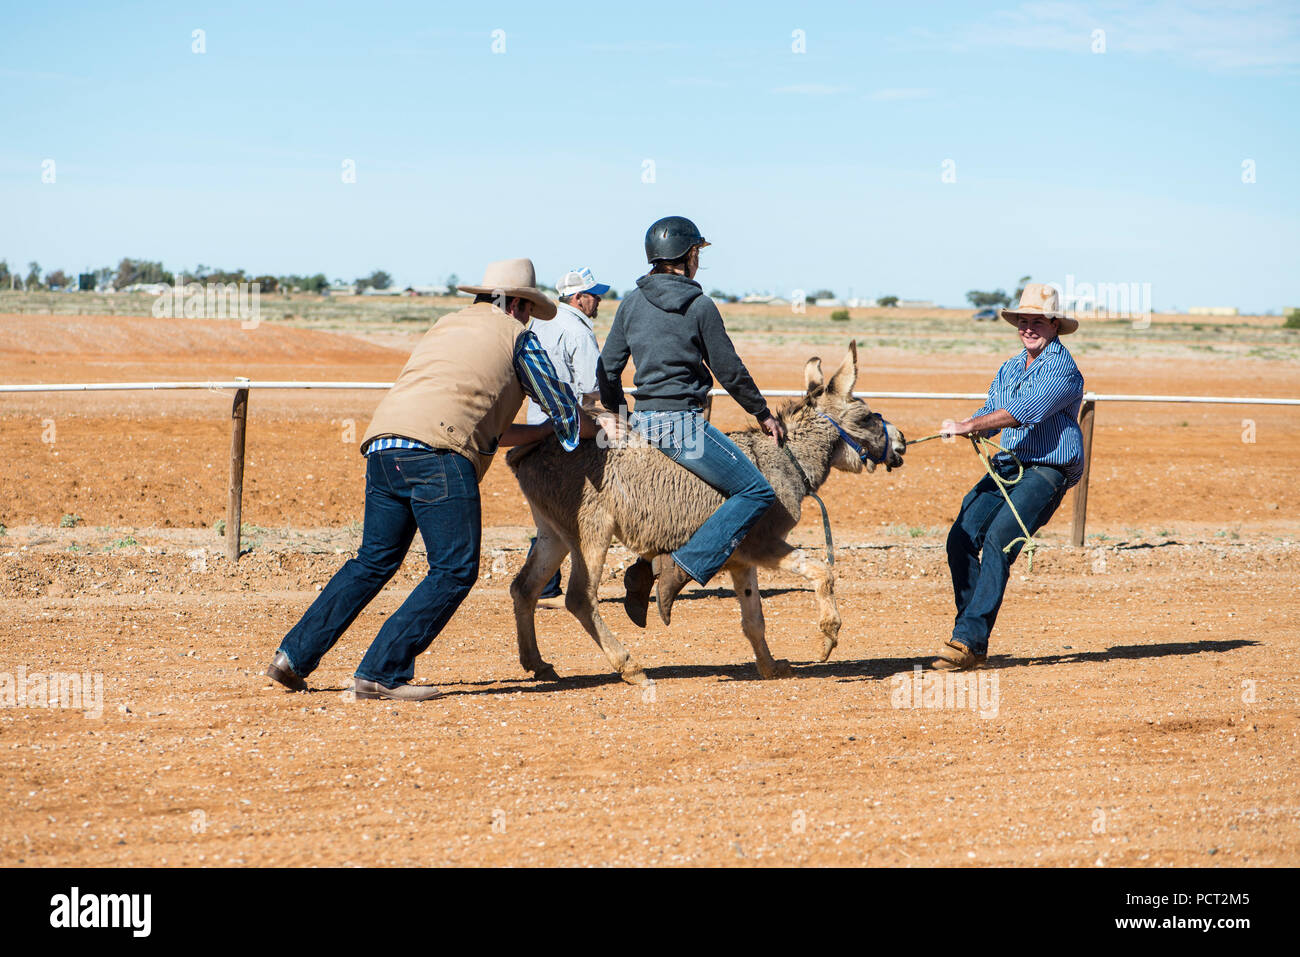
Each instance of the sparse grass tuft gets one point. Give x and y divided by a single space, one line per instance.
69 521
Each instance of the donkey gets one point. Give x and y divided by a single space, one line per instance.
583 499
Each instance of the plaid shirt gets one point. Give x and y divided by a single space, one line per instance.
1044 399
540 383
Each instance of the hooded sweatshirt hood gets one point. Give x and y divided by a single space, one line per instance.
669 291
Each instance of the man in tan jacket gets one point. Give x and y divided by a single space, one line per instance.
427 448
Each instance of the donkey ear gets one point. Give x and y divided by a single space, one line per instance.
812 374
846 375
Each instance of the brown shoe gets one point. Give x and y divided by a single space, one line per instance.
954 656
671 581
280 670
370 690
638 580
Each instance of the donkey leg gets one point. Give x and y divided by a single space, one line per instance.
580 599
745 581
822 575
546 558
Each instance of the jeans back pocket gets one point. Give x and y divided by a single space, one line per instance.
425 475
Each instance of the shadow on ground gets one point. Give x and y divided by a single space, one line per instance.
871 669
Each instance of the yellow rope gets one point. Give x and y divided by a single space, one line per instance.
1002 484
979 443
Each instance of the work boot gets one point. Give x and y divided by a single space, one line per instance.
369 690
671 581
638 580
280 670
954 656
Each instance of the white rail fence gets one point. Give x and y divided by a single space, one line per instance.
241 387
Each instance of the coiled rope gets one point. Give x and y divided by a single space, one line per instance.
981 444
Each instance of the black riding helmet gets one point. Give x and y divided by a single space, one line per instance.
671 238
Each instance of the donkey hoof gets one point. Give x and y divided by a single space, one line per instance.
633 675
546 673
828 645
778 669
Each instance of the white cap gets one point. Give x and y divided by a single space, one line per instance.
580 280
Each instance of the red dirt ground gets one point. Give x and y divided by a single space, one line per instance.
1145 715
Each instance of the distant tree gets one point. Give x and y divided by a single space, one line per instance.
33 280
316 283
380 279
1292 320
452 282
1020 287
612 294
130 271
57 279
822 294
267 284
840 315
998 297
103 275
6 277
887 301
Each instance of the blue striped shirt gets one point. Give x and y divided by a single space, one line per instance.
540 383
1044 399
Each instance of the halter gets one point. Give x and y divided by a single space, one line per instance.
862 454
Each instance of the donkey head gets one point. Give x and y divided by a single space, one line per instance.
880 442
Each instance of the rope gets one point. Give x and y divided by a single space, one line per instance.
808 488
979 445
1030 544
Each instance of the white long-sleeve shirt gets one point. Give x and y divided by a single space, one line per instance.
570 342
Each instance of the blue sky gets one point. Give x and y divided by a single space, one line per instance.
806 170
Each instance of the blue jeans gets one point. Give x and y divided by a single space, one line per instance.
984 526
406 489
688 439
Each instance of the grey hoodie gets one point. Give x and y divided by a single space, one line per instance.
675 336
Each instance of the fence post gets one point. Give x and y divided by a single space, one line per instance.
235 505
1086 415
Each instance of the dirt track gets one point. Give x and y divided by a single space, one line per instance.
1145 710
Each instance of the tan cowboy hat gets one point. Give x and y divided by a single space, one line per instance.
514 277
1043 300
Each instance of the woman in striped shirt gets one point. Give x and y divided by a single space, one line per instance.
1034 402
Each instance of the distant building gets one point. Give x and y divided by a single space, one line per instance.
916 304
434 290
151 288
341 289
827 302
1212 311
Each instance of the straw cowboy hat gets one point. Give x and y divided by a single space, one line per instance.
514 277
1041 300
